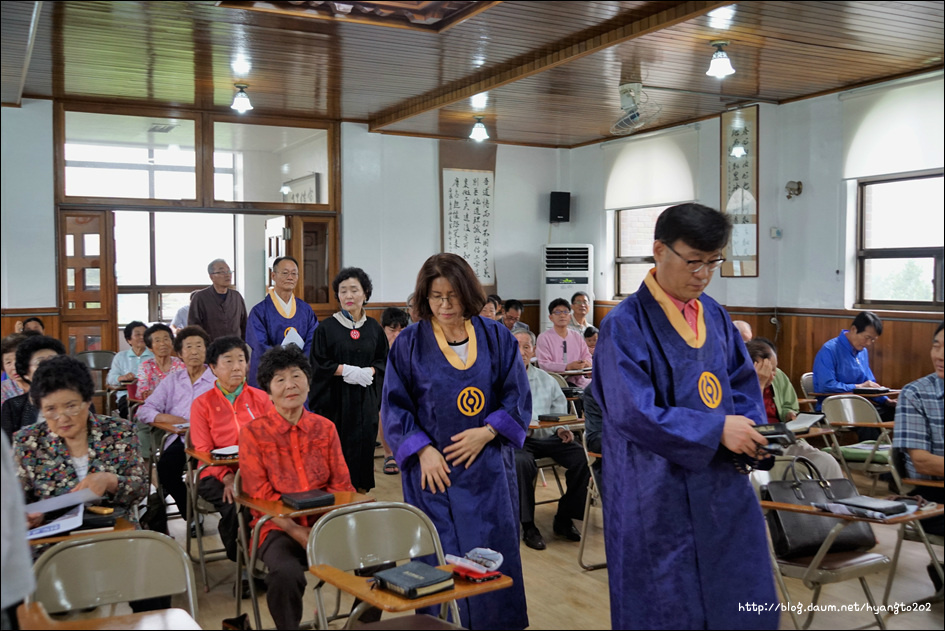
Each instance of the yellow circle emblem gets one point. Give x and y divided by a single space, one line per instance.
710 391
470 401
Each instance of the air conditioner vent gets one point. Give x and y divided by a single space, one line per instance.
567 259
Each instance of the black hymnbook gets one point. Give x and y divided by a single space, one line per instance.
414 579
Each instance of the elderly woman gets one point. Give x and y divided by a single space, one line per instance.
125 364
215 421
160 340
19 411
590 338
11 385
289 450
171 403
456 405
490 308
75 449
349 353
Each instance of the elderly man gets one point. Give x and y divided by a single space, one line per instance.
580 308
686 541
219 309
281 318
512 314
558 444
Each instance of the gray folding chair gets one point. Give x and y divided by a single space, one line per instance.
110 568
849 411
99 363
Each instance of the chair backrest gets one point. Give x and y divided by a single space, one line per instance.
363 535
559 380
112 567
96 360
807 384
849 408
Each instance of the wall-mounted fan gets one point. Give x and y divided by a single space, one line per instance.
637 110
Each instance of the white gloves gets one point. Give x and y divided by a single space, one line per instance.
356 375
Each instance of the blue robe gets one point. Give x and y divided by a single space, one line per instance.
429 397
268 326
684 533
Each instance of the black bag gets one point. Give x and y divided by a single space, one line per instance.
799 535
155 515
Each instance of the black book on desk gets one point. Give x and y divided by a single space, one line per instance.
870 390
308 499
414 579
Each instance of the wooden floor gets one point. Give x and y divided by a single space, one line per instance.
563 596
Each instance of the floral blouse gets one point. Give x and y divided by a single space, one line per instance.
150 376
45 469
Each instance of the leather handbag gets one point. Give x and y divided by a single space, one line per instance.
799 535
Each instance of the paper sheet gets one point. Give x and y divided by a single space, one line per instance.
65 523
63 501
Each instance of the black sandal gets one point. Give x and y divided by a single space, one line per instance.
390 466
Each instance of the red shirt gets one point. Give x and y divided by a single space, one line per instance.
770 408
215 422
690 312
277 457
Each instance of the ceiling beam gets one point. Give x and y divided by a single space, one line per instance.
28 54
490 80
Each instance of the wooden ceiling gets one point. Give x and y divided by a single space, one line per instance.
551 70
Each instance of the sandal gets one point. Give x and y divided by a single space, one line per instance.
390 466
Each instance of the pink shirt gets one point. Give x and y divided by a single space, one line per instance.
690 311
551 354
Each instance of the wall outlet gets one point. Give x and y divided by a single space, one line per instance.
776 233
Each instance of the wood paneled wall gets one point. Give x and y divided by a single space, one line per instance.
49 316
530 316
901 355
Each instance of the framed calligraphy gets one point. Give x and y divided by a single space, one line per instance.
739 187
469 219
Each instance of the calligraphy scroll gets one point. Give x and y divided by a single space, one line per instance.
469 219
739 160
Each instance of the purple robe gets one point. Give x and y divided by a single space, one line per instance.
685 537
427 399
268 326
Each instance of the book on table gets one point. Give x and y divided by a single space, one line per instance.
414 579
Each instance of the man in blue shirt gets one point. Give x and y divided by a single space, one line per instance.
843 364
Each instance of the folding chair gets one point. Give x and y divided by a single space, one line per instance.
197 506
849 411
365 535
913 531
110 568
593 497
99 363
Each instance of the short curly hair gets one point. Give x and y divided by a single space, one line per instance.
360 275
223 345
190 331
154 328
279 358
61 373
29 346
10 342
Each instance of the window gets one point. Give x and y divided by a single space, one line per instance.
161 257
901 242
634 246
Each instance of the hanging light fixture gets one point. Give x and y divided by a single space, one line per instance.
720 66
241 101
479 132
738 151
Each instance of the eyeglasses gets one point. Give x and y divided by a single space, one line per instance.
222 272
694 266
288 274
560 312
71 410
446 300
580 303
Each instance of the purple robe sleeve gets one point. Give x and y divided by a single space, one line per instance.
514 414
398 409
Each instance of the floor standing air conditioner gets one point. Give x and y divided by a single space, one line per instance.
566 268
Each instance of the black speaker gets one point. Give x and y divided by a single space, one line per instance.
560 206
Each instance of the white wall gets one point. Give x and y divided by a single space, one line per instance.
27 207
391 210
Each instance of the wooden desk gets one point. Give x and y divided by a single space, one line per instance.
575 424
363 589
205 458
120 524
34 616
170 428
889 393
892 521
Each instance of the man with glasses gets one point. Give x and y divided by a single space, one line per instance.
562 349
219 309
843 365
685 538
281 318
580 307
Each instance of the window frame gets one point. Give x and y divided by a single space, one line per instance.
624 260
864 254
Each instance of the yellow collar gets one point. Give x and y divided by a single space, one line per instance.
674 316
277 303
449 353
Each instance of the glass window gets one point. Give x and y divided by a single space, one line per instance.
90 245
185 242
901 242
270 164
140 157
171 304
132 248
132 307
634 246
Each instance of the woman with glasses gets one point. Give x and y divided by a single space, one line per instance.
281 318
349 355
456 404
74 449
